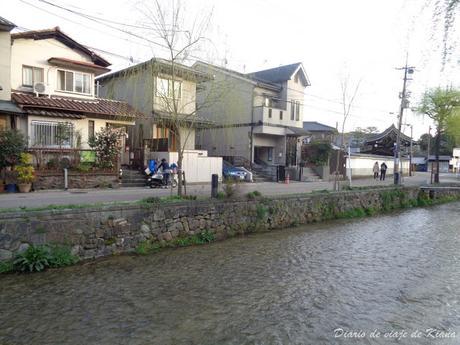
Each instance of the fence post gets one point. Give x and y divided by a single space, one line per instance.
214 185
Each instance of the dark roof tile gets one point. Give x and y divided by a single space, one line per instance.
75 107
277 74
313 126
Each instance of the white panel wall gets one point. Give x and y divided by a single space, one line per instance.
197 166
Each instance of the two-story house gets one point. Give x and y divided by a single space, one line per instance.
8 111
259 115
53 83
166 94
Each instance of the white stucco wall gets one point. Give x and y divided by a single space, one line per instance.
5 67
36 53
295 91
363 165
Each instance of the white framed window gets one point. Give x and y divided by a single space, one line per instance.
297 110
165 88
77 82
31 75
52 134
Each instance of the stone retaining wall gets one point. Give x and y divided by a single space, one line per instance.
75 180
102 231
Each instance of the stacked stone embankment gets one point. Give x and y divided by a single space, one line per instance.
106 230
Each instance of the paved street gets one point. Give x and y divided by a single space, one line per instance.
44 198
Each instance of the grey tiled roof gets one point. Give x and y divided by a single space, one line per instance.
277 74
313 126
9 107
6 23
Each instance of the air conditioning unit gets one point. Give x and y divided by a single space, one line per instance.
40 88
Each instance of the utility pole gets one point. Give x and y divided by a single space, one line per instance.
404 105
410 150
428 156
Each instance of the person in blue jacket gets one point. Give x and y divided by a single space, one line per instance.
165 171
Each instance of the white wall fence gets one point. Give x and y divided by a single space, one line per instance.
196 164
362 165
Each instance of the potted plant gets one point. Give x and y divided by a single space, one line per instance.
26 173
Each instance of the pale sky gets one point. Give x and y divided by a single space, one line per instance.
364 39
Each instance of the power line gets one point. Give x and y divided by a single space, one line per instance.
113 27
78 23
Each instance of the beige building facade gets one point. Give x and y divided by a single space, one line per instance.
258 115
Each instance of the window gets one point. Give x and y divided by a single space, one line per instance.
90 129
268 102
2 124
52 134
270 113
31 75
292 110
297 111
281 114
165 88
74 82
166 133
270 154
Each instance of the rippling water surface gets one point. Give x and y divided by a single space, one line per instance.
398 272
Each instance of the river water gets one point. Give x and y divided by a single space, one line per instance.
310 285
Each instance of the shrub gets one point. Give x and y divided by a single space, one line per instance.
106 144
253 195
230 187
35 258
61 256
261 211
250 196
39 258
84 167
316 152
206 236
12 144
220 195
6 266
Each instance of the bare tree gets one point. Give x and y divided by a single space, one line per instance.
447 10
347 103
181 40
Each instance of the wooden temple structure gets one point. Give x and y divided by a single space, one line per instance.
384 143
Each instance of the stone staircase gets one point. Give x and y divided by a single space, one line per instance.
133 178
309 175
263 173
